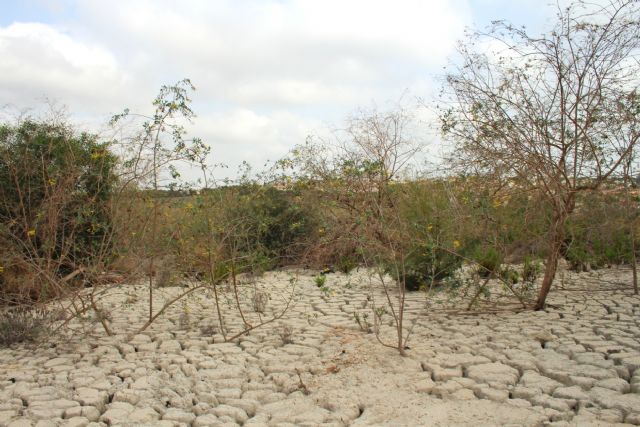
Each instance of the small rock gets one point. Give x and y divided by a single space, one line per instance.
531 379
230 411
574 392
633 418
493 373
205 421
171 346
5 416
91 397
425 385
616 384
143 416
117 414
485 392
613 400
174 414
76 422
21 422
463 394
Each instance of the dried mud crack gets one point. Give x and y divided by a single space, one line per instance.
577 363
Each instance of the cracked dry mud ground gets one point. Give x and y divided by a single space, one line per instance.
577 363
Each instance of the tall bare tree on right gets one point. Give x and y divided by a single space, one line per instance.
558 112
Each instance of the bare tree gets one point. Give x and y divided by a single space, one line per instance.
558 113
356 180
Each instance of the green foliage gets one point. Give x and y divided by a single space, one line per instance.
489 260
280 222
362 320
510 275
598 234
55 190
428 264
434 234
268 226
346 263
320 280
531 270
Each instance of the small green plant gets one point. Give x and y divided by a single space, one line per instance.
363 321
346 264
326 291
531 270
429 264
320 280
509 275
453 284
379 313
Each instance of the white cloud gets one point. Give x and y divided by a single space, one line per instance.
38 60
268 72
242 134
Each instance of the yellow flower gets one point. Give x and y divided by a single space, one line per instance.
497 203
456 244
1 269
52 181
429 227
31 233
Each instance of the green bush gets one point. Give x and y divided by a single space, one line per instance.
274 225
531 269
598 234
346 263
55 188
510 275
320 280
429 264
489 260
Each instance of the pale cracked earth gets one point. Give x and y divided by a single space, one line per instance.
577 363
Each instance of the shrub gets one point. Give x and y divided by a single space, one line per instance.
598 234
346 263
22 324
429 264
489 261
510 275
276 223
531 269
286 334
260 300
55 188
320 280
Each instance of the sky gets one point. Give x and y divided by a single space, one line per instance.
268 73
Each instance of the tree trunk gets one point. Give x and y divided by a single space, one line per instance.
557 238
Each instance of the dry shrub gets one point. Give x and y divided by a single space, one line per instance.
23 324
